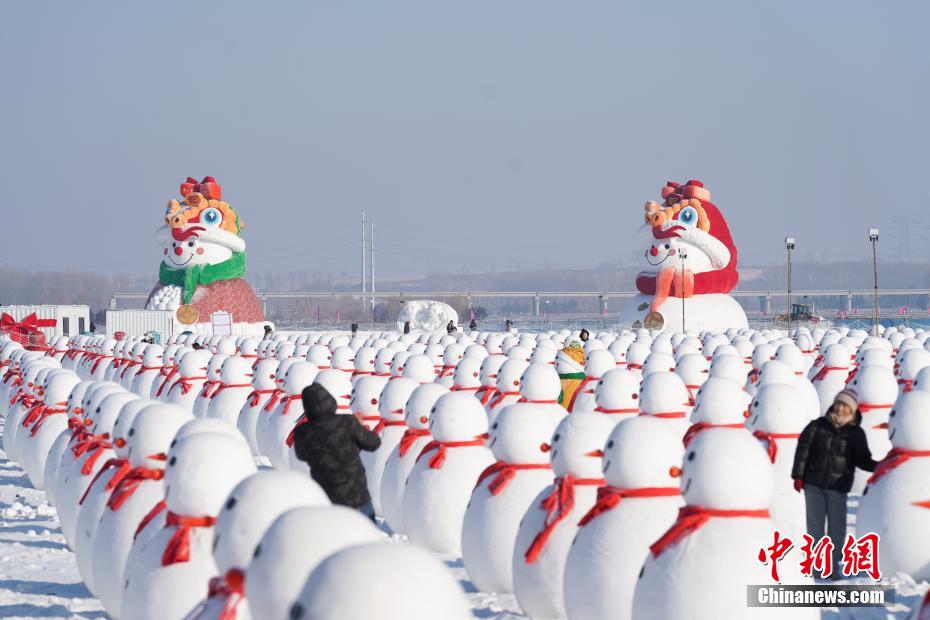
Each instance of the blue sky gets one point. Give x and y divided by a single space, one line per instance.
479 135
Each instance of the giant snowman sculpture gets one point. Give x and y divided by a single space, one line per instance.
204 260
689 265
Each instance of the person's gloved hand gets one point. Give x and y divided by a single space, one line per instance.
798 485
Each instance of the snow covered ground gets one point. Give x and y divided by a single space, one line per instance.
39 577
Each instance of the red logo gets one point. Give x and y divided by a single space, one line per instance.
859 555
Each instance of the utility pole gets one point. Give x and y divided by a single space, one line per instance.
363 261
371 258
683 253
789 245
873 237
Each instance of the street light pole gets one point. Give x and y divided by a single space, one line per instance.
789 245
873 237
683 253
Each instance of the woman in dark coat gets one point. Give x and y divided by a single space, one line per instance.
829 450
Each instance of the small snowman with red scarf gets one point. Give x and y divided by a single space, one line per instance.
688 255
896 503
549 527
700 567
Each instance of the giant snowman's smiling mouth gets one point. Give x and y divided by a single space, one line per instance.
173 262
658 263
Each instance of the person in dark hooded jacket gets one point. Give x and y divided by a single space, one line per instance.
829 450
330 444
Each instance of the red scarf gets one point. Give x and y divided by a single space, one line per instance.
501 396
505 472
129 483
769 439
178 548
609 497
47 412
823 372
894 459
172 370
692 518
255 396
288 401
695 429
273 400
459 388
98 445
409 438
539 402
35 411
440 447
382 424
78 431
149 517
908 384
226 386
208 386
611 411
671 415
96 365
558 505
487 393
231 588
129 365
185 383
123 468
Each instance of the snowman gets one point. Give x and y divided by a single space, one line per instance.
293 546
204 259
403 457
519 439
689 259
641 461
166 574
250 509
896 503
700 567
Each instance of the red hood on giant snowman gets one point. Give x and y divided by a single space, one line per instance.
689 215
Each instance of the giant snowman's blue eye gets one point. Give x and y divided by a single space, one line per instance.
688 216
212 217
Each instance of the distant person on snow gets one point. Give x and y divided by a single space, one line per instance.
330 444
450 328
406 327
473 326
829 450
268 332
584 335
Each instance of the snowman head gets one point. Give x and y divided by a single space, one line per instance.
394 398
777 408
364 360
108 410
521 434
508 377
578 443
467 373
339 386
726 469
236 371
490 367
540 382
298 376
366 395
663 392
200 231
599 362
152 356
194 363
643 452
693 369
876 384
909 422
720 401
152 431
59 387
420 368
457 416
252 506
420 404
617 391
658 361
215 366
399 362
127 415
202 469
263 375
